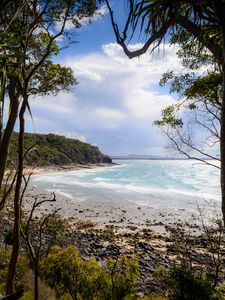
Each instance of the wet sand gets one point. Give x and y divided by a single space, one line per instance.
103 212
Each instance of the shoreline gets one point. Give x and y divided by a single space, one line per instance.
102 228
65 168
106 230
124 215
114 207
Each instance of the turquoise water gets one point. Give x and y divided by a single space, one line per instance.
164 184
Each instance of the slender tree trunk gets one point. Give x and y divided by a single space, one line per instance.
1 121
10 284
2 95
4 145
222 137
220 12
36 286
222 149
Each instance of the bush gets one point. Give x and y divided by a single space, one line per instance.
183 284
67 273
21 268
9 236
219 293
123 275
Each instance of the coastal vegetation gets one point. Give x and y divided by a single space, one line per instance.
44 257
55 150
197 27
101 264
29 40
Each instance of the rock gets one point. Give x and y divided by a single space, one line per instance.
106 159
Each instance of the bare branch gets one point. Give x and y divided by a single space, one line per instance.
156 35
180 150
7 189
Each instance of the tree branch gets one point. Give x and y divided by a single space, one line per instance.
156 35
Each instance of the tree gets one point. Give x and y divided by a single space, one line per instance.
204 23
66 272
29 31
21 269
199 108
31 43
57 83
123 274
41 236
198 111
29 37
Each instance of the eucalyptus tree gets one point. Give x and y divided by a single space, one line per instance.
59 78
192 124
203 22
31 33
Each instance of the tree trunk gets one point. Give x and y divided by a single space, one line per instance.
220 12
222 149
1 121
2 94
10 284
36 286
4 145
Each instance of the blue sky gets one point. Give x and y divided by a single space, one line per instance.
117 99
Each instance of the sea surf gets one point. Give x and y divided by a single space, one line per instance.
164 184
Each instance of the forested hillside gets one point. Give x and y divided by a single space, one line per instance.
51 149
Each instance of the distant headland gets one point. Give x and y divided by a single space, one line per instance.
145 157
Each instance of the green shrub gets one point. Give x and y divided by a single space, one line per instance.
123 275
9 236
21 268
27 296
183 284
219 293
67 273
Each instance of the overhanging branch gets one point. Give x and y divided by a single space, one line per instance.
156 35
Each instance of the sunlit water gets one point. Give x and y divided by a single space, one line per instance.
164 184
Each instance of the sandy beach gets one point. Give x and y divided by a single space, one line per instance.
123 215
116 207
73 167
102 227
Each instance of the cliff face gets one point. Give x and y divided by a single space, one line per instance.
50 149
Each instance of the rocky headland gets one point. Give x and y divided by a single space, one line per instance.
56 150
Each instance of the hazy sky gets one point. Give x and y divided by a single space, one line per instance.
117 99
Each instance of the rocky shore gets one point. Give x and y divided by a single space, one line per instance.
159 239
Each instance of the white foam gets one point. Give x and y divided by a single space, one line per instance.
67 195
171 184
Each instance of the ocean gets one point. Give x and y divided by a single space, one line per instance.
164 184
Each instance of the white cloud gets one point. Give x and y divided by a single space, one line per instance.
72 135
110 114
53 105
109 118
98 15
115 97
147 104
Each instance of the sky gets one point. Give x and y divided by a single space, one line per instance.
117 99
